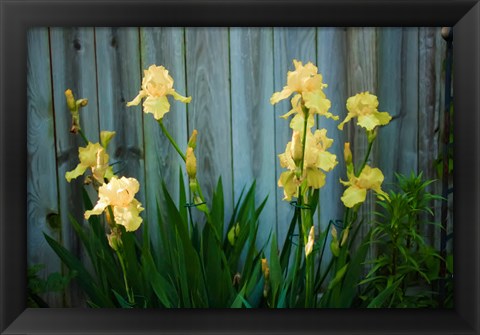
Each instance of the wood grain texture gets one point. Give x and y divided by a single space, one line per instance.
288 44
208 82
42 195
332 57
73 66
398 95
428 106
163 46
362 76
253 128
118 80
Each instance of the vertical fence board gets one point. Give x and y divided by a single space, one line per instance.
253 119
332 58
42 199
163 46
118 78
397 91
207 61
362 76
288 44
428 136
73 66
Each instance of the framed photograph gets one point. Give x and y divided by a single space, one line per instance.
132 133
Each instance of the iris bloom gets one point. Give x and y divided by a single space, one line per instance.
311 241
356 193
316 159
119 193
92 156
364 107
308 84
156 85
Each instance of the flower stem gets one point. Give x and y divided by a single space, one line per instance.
131 300
370 144
83 136
306 220
170 138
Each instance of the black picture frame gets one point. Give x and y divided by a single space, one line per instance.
17 16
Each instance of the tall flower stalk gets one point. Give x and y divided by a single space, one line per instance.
306 158
157 85
116 195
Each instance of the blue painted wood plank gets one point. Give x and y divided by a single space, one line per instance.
253 127
42 195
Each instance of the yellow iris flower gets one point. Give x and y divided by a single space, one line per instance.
364 107
92 156
308 84
316 159
356 193
156 85
120 193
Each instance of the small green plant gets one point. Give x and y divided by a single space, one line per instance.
38 286
406 267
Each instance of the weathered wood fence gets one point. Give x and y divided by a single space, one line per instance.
230 74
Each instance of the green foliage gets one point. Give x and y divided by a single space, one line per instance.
37 286
406 267
194 265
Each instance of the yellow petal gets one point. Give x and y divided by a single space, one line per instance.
318 103
288 182
137 99
156 106
368 121
179 97
315 178
370 178
88 154
277 96
353 195
128 216
383 118
78 171
326 160
298 122
347 118
119 192
98 209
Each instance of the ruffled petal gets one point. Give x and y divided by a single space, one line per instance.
129 216
368 121
78 171
288 182
353 195
317 102
278 96
383 118
98 209
315 178
137 99
179 97
156 106
347 118
326 160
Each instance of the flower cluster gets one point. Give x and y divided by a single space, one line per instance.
306 155
116 195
